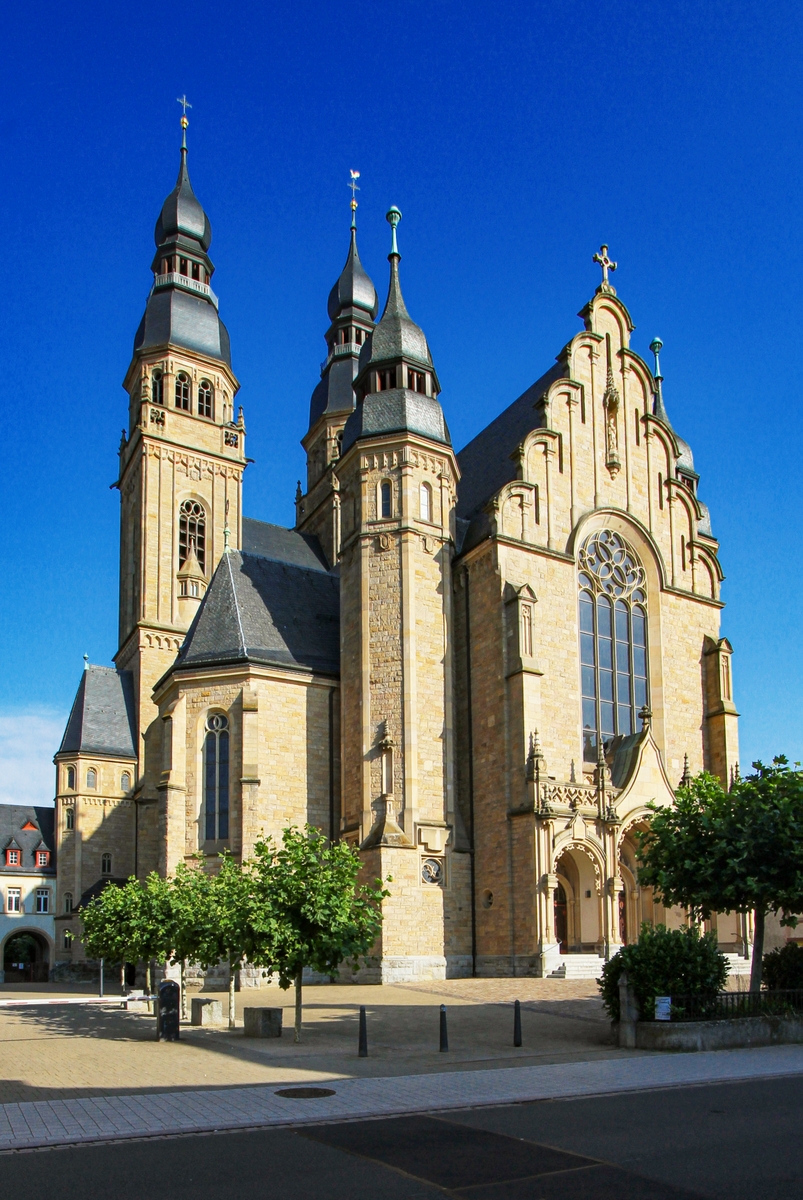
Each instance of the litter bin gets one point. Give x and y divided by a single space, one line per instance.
168 1013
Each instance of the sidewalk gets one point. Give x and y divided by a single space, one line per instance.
105 1118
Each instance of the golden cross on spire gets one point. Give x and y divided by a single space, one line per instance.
607 265
355 175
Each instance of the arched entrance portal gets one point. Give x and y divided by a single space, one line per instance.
577 904
26 958
635 902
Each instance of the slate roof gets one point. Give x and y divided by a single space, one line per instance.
264 610
103 716
175 316
12 819
485 463
283 545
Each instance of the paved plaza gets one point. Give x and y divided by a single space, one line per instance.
79 1073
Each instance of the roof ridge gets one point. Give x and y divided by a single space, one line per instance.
227 555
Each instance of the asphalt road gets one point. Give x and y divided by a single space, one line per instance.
735 1140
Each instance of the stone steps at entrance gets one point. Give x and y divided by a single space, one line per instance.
578 966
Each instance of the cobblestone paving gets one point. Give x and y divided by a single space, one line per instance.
559 997
105 1118
55 1052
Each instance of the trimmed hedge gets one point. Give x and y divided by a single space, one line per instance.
664 962
783 968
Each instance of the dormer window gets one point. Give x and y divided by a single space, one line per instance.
206 399
157 387
183 391
417 381
688 482
385 380
13 857
43 858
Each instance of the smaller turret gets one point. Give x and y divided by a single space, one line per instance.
397 386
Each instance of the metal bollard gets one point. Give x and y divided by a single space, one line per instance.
363 1050
517 1024
444 1034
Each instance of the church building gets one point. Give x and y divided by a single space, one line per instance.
478 667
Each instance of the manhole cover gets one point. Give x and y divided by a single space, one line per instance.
302 1093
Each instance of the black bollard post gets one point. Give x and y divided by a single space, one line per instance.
517 1024
444 1034
363 1051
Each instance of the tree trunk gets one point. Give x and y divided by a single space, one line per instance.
122 979
148 981
758 950
232 1015
184 989
297 1029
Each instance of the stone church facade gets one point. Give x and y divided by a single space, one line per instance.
480 667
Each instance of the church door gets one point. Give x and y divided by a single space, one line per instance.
561 927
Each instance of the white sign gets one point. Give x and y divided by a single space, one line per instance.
663 1008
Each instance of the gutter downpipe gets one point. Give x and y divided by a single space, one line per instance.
470 779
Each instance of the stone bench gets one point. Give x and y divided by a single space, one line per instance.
205 1011
262 1022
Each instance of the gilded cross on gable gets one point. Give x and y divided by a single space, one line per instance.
607 265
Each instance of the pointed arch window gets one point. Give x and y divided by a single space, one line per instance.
68 902
192 530
386 499
91 778
71 779
69 818
613 639
157 387
206 399
183 387
105 864
216 778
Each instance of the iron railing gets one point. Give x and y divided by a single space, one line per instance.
727 1005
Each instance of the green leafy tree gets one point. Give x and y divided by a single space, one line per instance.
316 913
664 962
216 920
129 922
736 851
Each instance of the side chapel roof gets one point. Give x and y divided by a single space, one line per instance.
280 608
103 715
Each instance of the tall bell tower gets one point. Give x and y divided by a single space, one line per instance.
183 456
398 481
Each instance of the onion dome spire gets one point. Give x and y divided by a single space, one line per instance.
396 385
352 308
182 308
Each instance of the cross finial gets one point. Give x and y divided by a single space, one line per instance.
355 175
185 104
607 265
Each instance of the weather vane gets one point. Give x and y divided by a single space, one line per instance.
355 175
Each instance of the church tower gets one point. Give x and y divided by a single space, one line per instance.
397 477
352 308
183 457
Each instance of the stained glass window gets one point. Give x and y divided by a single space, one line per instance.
613 639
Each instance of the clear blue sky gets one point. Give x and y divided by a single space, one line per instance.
515 137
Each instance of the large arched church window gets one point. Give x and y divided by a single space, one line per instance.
192 531
613 639
216 778
183 386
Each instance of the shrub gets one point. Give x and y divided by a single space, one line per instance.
664 962
783 968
